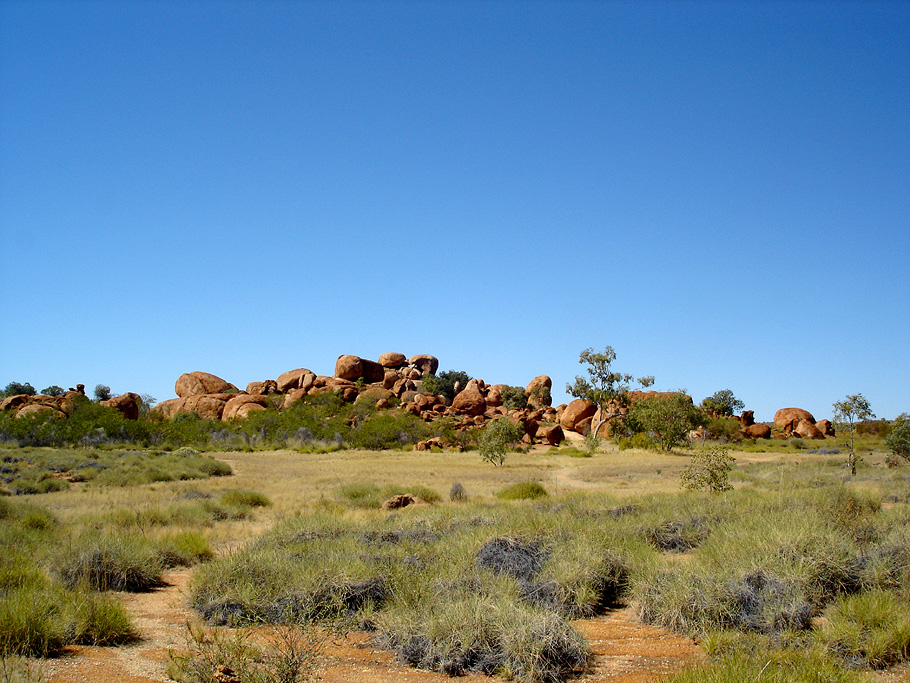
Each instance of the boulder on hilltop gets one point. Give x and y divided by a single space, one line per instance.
200 384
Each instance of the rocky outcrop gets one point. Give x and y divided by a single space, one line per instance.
787 419
471 401
825 427
301 378
265 388
538 391
128 404
200 384
807 430
576 412
240 406
747 418
393 360
424 363
354 368
756 431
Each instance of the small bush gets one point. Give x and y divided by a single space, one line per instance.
243 497
106 563
709 471
30 623
523 490
497 438
99 620
184 549
871 629
457 492
899 438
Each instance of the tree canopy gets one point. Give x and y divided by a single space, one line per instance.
605 388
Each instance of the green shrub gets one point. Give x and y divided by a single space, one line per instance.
444 382
388 430
30 622
709 471
666 419
642 442
122 563
99 620
898 440
514 398
523 490
497 438
243 497
871 627
184 549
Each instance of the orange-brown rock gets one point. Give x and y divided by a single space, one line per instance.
788 418
402 501
747 418
209 407
538 391
169 408
200 384
393 360
425 363
353 368
494 395
808 430
825 427
293 396
269 386
301 378
38 409
127 404
756 431
578 410
551 434
470 401
585 426
391 376
14 402
242 405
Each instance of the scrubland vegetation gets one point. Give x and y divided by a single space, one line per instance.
782 565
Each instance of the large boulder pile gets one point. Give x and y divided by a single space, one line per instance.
392 378
801 423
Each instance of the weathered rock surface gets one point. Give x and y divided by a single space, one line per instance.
538 391
269 386
471 401
826 427
747 418
808 430
39 409
577 411
756 431
424 363
242 405
402 501
127 404
788 419
393 360
200 384
354 367
295 379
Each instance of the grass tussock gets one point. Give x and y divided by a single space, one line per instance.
523 490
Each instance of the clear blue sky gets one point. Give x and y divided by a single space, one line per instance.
718 190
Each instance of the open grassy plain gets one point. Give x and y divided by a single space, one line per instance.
800 573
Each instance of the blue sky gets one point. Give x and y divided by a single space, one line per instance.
718 190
